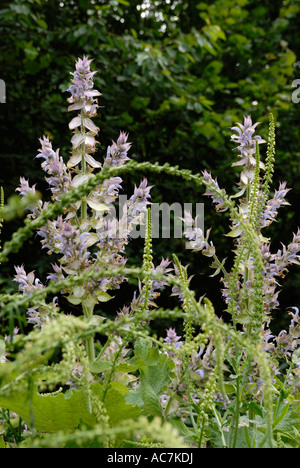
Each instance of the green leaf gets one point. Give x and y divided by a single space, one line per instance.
235 232
78 291
116 405
141 348
155 375
103 296
49 413
20 9
126 367
100 366
30 51
256 409
187 432
52 413
42 23
2 348
90 301
3 444
74 300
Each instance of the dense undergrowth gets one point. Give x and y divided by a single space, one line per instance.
85 380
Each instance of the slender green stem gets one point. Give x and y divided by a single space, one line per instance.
201 432
236 415
220 265
83 170
168 406
187 379
113 369
89 341
219 426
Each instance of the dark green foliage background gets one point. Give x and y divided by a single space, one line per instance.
175 74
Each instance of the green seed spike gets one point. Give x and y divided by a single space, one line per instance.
187 302
254 195
147 257
147 263
270 159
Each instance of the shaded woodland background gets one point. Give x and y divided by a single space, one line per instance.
175 74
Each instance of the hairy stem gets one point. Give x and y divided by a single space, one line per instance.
83 170
89 341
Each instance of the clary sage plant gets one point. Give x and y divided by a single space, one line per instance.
89 381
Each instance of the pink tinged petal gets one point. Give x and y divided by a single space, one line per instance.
76 106
76 122
92 93
89 140
79 179
91 161
78 139
74 160
237 129
88 123
238 163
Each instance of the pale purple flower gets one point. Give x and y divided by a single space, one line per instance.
195 236
28 283
177 290
9 338
269 213
164 269
295 316
117 152
247 148
134 209
60 178
215 192
246 140
108 191
57 275
172 340
83 97
24 190
82 92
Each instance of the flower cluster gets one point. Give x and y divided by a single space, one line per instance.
195 237
60 179
269 214
83 98
28 284
117 153
24 191
82 92
241 287
154 292
88 237
247 148
87 240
